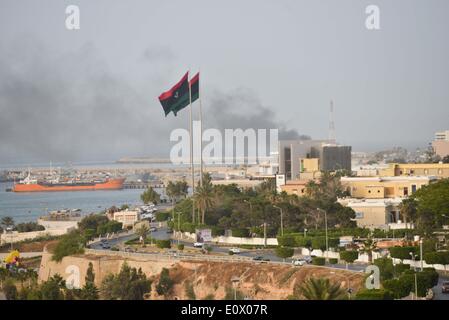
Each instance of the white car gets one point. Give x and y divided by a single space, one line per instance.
198 244
299 262
234 250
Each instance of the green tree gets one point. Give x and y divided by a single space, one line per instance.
319 289
89 290
190 291
408 210
284 252
7 222
128 284
165 284
10 290
150 195
142 231
349 256
70 244
204 195
52 289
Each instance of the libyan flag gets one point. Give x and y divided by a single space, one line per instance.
178 97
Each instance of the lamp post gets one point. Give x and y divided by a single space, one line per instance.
235 281
421 253
325 227
282 223
179 227
305 232
416 278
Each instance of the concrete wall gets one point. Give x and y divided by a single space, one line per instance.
235 240
13 237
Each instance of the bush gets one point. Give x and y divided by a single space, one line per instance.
71 243
398 287
188 227
181 246
333 260
162 216
163 244
28 227
165 284
437 257
385 267
403 252
374 294
284 252
286 241
349 256
240 232
318 261
426 279
217 231
320 243
401 268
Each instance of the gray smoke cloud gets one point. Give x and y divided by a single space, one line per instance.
74 107
243 109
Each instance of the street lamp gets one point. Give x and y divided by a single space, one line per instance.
179 228
235 281
325 226
420 253
416 278
282 223
305 232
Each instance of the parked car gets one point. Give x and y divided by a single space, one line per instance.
261 259
445 287
307 259
106 245
129 249
198 244
153 229
299 262
234 250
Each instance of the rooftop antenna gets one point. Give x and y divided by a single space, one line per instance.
331 123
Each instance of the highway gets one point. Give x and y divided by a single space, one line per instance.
161 234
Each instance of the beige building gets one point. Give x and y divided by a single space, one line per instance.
441 143
297 187
377 213
384 187
440 170
127 218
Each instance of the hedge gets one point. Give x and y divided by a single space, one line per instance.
320 243
240 232
386 268
349 256
162 215
398 287
374 294
333 260
318 261
284 252
401 268
403 252
426 279
437 257
163 244
181 246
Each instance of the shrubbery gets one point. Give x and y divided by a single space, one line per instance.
374 294
333 260
403 252
318 261
284 252
162 216
349 256
163 244
240 232
437 257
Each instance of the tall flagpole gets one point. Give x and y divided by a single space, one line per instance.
191 156
201 132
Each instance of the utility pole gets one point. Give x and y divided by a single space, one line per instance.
325 227
282 222
421 253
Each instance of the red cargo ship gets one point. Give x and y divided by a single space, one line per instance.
29 185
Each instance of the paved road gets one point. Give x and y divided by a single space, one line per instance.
437 290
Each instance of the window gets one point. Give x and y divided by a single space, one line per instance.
359 215
413 188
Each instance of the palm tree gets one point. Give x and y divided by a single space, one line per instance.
7 222
408 210
369 245
320 289
203 199
142 231
150 196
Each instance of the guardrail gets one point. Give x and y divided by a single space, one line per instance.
189 257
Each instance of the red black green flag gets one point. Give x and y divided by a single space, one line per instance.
195 87
177 98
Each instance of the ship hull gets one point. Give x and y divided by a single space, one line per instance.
111 184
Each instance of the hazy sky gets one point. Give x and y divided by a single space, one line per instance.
91 94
